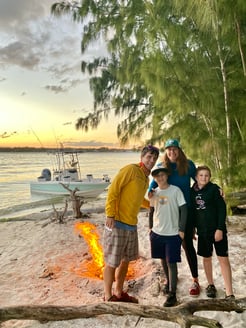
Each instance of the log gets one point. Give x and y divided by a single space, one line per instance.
182 314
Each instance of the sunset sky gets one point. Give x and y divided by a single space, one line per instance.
42 89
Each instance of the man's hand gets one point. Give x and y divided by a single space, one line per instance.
110 222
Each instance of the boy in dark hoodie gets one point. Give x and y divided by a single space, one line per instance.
209 210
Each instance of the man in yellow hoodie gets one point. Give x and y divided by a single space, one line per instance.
120 243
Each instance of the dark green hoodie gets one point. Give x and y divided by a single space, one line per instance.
209 209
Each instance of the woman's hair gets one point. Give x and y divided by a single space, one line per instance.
182 163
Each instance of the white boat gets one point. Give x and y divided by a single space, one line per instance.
66 172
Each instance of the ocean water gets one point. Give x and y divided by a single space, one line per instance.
17 169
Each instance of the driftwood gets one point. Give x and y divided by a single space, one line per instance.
60 216
77 201
181 314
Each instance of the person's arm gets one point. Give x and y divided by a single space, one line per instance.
153 185
151 216
221 210
192 170
182 219
124 176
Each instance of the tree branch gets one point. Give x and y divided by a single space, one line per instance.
181 314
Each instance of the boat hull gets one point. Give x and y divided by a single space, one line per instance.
85 189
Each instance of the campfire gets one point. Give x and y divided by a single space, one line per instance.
93 265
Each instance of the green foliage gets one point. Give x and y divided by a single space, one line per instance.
174 68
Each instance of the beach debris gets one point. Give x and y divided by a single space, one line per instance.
51 272
60 215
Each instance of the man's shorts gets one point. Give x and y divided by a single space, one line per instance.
118 245
166 247
206 243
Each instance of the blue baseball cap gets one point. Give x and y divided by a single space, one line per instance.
172 143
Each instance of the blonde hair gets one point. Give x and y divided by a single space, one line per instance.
182 162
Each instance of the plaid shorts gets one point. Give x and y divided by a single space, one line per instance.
118 245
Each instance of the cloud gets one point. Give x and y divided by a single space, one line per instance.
64 86
33 39
14 12
91 143
16 54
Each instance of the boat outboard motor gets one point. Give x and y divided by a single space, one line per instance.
46 174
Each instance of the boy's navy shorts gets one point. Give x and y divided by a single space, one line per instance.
206 243
166 247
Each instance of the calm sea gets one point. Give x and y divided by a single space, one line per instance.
18 169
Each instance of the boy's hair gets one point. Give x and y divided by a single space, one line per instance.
203 167
150 149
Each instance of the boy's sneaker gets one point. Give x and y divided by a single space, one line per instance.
171 300
195 289
211 291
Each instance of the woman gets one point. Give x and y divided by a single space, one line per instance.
181 170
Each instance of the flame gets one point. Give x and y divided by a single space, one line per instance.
94 267
88 231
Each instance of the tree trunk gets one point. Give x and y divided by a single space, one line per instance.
181 314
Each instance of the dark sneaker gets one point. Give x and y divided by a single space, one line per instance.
230 297
171 300
211 291
195 289
165 289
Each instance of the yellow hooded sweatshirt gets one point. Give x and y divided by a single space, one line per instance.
126 194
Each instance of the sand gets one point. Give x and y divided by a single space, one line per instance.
42 263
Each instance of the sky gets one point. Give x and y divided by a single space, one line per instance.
42 89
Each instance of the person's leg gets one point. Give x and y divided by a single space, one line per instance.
108 278
191 256
166 275
172 274
112 247
207 265
208 268
165 269
189 248
120 276
226 273
221 249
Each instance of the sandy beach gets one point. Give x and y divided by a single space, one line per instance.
44 262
